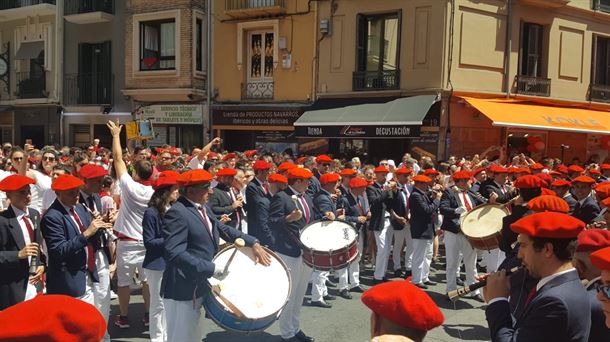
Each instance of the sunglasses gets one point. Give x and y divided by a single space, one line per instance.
325 164
603 289
18 158
48 158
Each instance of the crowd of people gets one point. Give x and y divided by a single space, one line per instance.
86 223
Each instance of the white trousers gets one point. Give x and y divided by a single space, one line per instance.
300 274
422 257
454 245
88 296
101 290
383 239
318 285
183 320
493 259
349 277
403 237
157 325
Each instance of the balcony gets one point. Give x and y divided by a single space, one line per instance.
89 11
537 86
599 93
20 9
376 80
31 85
254 8
257 90
88 89
546 3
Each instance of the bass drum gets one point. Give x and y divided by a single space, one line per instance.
329 245
482 226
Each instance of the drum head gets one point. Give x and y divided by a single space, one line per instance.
257 291
326 236
483 221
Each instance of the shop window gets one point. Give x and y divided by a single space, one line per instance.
531 50
158 45
81 135
601 62
6 134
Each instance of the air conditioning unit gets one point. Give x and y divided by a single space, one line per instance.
325 27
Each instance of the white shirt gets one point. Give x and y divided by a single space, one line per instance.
195 164
48 197
546 279
134 201
205 217
30 290
43 183
3 174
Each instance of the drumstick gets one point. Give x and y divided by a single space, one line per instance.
216 290
239 242
295 199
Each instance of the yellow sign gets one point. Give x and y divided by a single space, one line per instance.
131 128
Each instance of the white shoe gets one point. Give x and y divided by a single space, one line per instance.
113 295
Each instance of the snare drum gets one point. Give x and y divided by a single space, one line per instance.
329 245
483 224
258 292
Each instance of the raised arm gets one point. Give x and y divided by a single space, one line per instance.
205 149
117 151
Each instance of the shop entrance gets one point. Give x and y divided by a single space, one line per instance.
34 133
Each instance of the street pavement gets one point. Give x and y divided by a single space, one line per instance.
347 320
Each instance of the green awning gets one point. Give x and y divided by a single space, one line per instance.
399 118
29 50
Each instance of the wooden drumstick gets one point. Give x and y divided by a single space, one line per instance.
216 289
239 243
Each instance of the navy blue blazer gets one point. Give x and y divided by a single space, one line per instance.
221 204
15 271
352 210
422 208
571 202
314 186
258 202
67 248
451 201
398 205
559 312
490 186
599 331
507 235
287 233
99 239
587 211
152 234
379 201
189 249
324 203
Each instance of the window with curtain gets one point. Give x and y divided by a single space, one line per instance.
158 45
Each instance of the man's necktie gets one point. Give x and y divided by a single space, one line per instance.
237 210
207 222
466 202
305 208
29 227
90 251
531 295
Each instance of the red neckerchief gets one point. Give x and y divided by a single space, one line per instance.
13 169
147 182
104 194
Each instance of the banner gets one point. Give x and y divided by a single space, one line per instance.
178 114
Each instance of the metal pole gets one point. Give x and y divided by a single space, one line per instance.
209 66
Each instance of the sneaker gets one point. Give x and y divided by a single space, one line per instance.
113 295
146 319
122 322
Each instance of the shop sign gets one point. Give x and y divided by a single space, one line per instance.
350 131
247 117
178 114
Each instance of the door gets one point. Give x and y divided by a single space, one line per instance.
94 73
35 133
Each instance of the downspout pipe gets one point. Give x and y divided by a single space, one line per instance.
508 47
209 83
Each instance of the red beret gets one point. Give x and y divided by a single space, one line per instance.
277 178
212 154
536 166
250 153
91 171
227 171
403 304
555 173
477 171
66 182
301 160
528 182
229 156
601 259
545 191
261 165
513 169
165 179
422 179
523 170
583 179
494 168
548 203
329 178
605 167
358 182
299 173
285 166
461 175
603 191
348 173
549 225
194 177
594 172
52 318
606 203
430 172
403 171
15 182
381 169
575 168
592 240
323 159
561 182
546 178
562 168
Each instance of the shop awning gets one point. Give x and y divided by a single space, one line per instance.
400 118
514 113
29 50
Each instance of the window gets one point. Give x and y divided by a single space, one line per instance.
601 61
378 37
199 45
602 5
531 50
158 45
260 55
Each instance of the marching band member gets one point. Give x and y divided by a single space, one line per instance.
586 208
20 240
557 309
454 204
562 189
224 200
257 203
191 240
601 260
399 218
287 218
379 199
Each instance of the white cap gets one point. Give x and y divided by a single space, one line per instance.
391 163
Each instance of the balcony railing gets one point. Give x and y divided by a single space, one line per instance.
88 89
9 4
537 86
254 8
257 90
376 80
599 93
31 85
88 6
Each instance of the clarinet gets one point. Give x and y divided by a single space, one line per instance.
473 287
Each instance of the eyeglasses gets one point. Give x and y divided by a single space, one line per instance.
48 158
383 164
165 158
603 289
325 164
17 158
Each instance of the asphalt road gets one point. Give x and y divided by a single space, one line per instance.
347 320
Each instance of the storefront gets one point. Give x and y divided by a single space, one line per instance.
376 129
266 127
37 125
525 127
175 124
